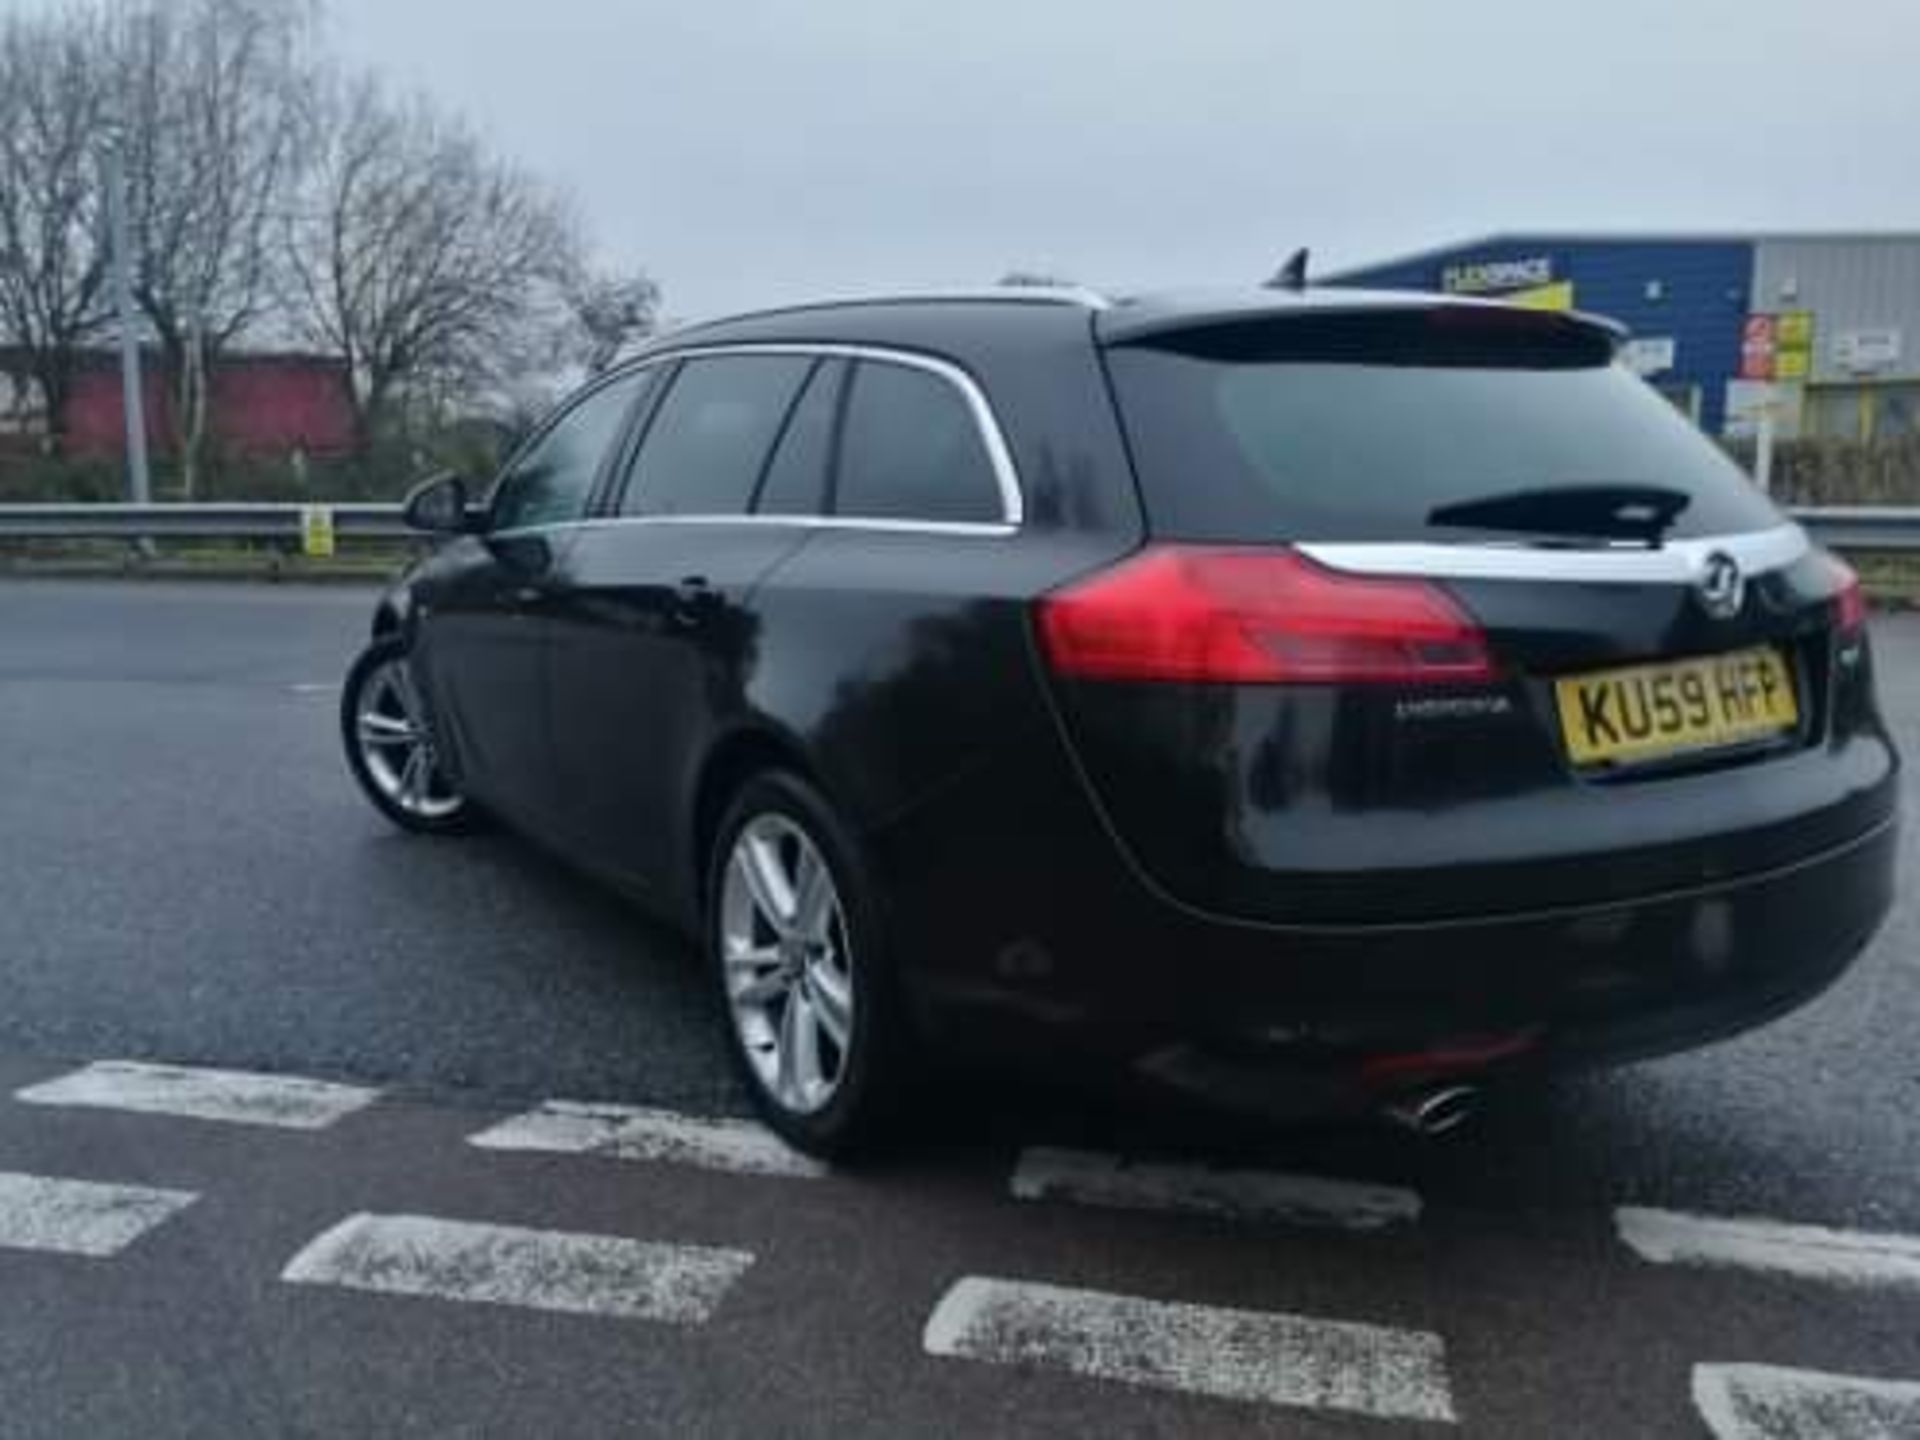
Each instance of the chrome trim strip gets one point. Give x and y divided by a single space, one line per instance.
985 528
1006 477
1678 562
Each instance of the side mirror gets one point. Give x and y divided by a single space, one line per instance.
438 505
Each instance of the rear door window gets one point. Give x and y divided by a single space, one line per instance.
712 433
796 478
1386 433
910 449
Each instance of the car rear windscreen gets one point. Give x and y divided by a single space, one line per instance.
1423 425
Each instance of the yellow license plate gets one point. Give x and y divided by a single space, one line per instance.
1647 711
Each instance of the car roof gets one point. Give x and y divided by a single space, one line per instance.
936 319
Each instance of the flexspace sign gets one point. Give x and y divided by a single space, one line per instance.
1492 277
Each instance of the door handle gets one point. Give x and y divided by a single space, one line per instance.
694 599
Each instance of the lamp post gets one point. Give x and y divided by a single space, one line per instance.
133 398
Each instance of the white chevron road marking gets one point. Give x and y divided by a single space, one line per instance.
80 1217
231 1096
628 1133
1252 1355
1811 1252
1767 1402
423 1255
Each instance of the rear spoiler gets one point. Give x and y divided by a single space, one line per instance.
1337 325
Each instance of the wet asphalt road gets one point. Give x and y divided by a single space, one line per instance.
187 875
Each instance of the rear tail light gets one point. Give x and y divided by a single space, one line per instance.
1232 615
1850 602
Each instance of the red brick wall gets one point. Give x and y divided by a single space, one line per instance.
262 405
93 420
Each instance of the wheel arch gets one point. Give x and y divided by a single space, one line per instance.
734 759
394 614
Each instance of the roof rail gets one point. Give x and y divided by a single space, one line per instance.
1012 294
1082 295
1078 295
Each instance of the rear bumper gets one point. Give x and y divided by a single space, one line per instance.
1330 1020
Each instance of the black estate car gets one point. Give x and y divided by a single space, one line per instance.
1328 701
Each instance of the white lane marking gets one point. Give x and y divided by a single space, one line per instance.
1262 1195
1233 1354
234 1096
315 688
80 1217
508 1265
629 1133
1848 1257
1768 1402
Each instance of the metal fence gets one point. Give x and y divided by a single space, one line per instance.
1863 527
1845 527
198 522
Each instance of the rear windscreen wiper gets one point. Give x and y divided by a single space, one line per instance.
1639 513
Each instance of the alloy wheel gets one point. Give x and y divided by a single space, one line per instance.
396 744
788 963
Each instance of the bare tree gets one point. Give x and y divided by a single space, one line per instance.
609 311
214 95
267 200
52 256
428 265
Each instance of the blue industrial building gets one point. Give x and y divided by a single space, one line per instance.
1814 327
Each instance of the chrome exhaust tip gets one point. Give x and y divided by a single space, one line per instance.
1436 1111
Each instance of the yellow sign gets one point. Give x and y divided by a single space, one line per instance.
316 531
1557 296
1791 364
1793 330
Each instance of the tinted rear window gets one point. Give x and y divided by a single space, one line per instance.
1324 433
910 449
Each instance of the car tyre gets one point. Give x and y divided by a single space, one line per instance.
391 747
796 944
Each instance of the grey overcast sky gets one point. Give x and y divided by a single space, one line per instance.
752 151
